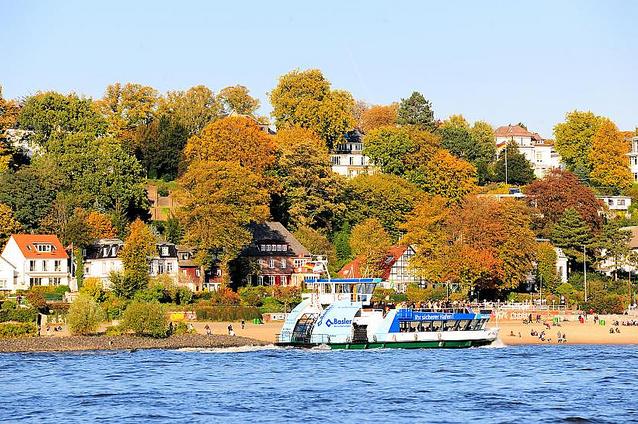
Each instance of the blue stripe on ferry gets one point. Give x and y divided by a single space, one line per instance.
409 315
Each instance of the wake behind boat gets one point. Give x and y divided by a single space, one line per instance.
339 314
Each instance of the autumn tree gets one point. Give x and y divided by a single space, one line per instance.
238 100
416 110
612 245
370 243
446 176
305 99
126 107
8 224
573 140
217 201
571 233
608 158
235 138
557 191
52 114
378 116
546 266
519 169
9 112
310 191
388 198
389 148
67 222
192 109
318 244
100 226
139 247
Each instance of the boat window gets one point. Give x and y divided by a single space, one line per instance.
436 325
463 324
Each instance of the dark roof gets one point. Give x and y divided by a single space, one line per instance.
96 250
273 233
354 136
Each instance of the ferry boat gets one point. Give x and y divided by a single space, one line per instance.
339 314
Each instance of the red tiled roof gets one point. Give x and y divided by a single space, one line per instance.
512 131
27 242
353 268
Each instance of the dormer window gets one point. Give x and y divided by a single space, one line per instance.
43 247
164 250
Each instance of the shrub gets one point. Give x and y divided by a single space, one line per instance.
270 304
182 328
18 329
114 330
8 305
19 315
146 319
114 306
36 299
226 313
225 296
253 296
85 315
93 287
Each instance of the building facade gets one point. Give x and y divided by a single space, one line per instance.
347 158
274 258
395 269
540 153
31 260
633 158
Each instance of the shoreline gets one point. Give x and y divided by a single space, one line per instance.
125 342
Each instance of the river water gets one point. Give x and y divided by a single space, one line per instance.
526 384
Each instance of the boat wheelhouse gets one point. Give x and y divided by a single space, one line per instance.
339 313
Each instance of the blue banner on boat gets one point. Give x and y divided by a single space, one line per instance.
411 315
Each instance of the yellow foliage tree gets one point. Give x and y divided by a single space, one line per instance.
446 176
378 116
100 226
608 157
9 111
127 107
217 200
370 243
237 99
235 138
8 224
139 247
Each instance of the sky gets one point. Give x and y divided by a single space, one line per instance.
499 61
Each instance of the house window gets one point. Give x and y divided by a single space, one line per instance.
272 263
3 284
55 281
260 280
283 264
31 265
184 256
284 247
197 273
43 247
621 202
44 265
169 267
35 281
57 265
160 268
284 280
105 251
164 250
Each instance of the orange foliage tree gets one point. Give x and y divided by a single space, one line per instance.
100 226
378 116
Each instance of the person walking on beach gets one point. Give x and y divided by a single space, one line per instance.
230 329
243 324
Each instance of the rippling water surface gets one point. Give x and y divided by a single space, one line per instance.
551 384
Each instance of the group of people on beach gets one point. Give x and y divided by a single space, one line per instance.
229 329
560 337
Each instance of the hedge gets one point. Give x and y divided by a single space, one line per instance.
19 315
18 329
226 313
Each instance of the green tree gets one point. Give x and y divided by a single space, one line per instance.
138 248
612 245
146 319
52 114
370 242
310 190
28 193
416 110
519 170
388 148
160 146
546 266
238 100
305 99
387 198
608 158
573 139
457 139
571 233
85 315
192 109
8 224
341 241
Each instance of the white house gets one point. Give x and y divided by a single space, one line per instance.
633 158
33 260
561 264
617 204
103 257
541 154
348 159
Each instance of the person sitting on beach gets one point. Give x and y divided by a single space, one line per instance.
519 335
207 328
617 330
611 330
512 333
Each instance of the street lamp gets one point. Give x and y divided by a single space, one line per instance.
585 271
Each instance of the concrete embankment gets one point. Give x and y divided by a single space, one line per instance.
79 343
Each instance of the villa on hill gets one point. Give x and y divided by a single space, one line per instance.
31 260
539 152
